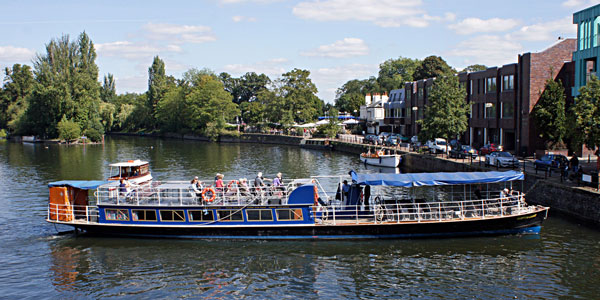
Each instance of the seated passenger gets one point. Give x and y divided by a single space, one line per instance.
243 187
194 187
124 188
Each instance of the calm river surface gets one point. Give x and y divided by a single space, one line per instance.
36 262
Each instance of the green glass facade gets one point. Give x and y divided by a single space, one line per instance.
587 56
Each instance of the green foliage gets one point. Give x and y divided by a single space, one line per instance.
2 134
350 97
93 134
475 68
432 66
108 93
68 130
17 86
446 115
586 115
332 128
549 114
245 88
393 73
66 85
107 115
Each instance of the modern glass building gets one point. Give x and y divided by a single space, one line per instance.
587 56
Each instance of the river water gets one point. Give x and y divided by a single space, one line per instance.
36 262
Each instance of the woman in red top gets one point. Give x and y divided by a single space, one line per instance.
219 183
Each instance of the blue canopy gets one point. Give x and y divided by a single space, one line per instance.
429 179
80 184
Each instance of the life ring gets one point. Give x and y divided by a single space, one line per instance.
232 182
212 192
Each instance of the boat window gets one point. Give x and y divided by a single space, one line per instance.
143 214
144 170
200 215
230 215
289 214
259 215
116 214
172 216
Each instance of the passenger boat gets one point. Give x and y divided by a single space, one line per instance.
380 159
376 206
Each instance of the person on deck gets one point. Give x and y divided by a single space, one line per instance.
124 188
277 183
345 191
219 185
258 183
194 184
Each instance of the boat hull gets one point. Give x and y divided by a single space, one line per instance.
390 161
514 224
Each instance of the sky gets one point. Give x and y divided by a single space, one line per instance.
336 40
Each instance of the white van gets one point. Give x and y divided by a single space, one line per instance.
438 145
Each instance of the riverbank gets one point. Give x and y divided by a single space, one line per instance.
567 198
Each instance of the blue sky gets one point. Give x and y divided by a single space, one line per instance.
337 40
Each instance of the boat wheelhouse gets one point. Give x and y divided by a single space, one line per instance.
373 206
134 171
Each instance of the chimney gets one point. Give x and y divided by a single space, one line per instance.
368 99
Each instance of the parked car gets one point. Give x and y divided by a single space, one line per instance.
463 151
501 159
392 140
438 145
455 144
372 139
553 161
489 148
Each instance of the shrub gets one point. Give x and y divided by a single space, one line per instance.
68 130
2 133
93 134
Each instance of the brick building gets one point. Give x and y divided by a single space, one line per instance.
501 99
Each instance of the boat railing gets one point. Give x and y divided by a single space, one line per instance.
179 193
380 211
72 213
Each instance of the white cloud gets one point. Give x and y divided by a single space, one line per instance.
548 31
129 50
15 54
272 68
132 84
384 13
238 19
347 47
180 33
489 50
475 25
580 3
328 80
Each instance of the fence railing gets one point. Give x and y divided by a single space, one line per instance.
72 213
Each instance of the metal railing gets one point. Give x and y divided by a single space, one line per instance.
179 193
72 213
385 211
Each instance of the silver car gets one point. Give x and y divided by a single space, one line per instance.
501 159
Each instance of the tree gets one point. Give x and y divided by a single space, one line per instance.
108 93
549 115
66 85
475 68
300 96
157 84
432 66
18 84
332 128
393 73
447 113
586 115
349 97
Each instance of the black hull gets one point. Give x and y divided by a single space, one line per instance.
526 223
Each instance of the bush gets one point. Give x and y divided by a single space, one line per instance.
93 134
2 133
68 130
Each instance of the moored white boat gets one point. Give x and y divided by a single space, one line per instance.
381 159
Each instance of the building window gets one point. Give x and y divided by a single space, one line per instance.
172 216
473 110
259 215
471 87
478 86
490 85
508 82
116 214
508 110
201 215
289 214
490 111
143 215
420 93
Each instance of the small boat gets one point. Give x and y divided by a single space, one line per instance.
379 158
376 206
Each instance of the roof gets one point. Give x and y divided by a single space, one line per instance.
80 184
432 179
130 163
